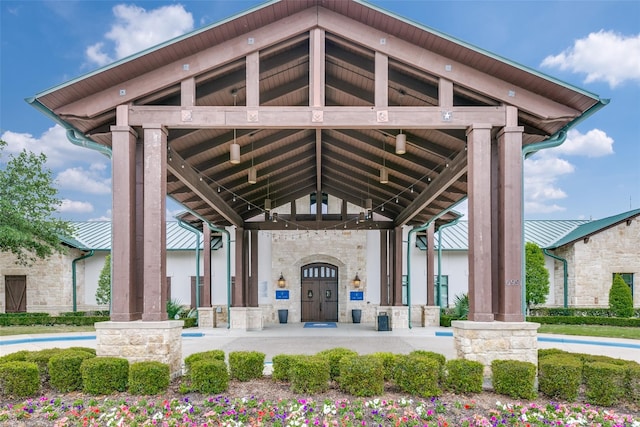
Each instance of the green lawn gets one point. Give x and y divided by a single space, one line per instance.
591 330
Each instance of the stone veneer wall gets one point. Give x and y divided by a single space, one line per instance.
292 249
140 341
485 342
591 265
49 282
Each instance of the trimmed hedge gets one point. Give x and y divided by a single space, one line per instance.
418 375
209 376
148 377
361 375
514 378
309 374
560 376
388 360
282 365
464 376
334 355
604 383
19 379
64 370
104 375
577 312
246 365
30 319
203 355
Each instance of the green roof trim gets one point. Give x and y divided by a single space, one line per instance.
593 227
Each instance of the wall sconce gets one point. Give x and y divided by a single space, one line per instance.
281 282
356 281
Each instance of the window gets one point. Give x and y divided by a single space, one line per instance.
444 290
628 279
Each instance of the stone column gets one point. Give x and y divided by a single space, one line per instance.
155 226
479 189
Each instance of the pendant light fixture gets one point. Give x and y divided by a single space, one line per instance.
253 173
234 152
267 201
401 143
384 174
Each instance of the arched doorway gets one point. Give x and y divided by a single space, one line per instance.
319 296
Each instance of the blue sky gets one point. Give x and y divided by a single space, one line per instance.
594 45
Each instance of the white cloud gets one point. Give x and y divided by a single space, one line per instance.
136 29
603 56
86 181
74 206
594 143
55 145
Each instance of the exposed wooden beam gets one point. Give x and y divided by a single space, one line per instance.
307 117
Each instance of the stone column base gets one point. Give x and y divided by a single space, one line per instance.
246 318
206 317
399 317
141 341
430 315
488 341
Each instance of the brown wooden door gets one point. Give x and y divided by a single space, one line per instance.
319 296
15 291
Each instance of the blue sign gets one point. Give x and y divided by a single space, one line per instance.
356 296
282 294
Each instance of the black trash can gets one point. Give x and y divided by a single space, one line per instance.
356 315
283 315
383 322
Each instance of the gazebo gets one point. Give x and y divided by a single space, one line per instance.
315 98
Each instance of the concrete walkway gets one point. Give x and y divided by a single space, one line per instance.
293 338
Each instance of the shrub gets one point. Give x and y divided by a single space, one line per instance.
435 356
361 375
64 369
41 358
104 375
85 349
464 376
388 361
282 366
149 377
19 379
560 376
209 376
620 298
334 355
418 375
246 365
514 378
203 355
604 383
309 374
632 381
18 356
544 352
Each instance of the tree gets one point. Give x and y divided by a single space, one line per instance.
620 298
28 200
103 293
536 275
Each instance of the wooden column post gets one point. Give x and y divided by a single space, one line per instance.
238 295
384 268
206 263
480 220
397 266
155 226
431 294
123 249
252 294
510 223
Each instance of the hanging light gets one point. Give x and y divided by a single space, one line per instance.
234 152
368 204
401 143
281 282
267 204
253 175
384 175
274 217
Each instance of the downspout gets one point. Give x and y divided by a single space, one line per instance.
450 224
73 135
194 230
226 233
415 230
73 277
527 150
565 276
